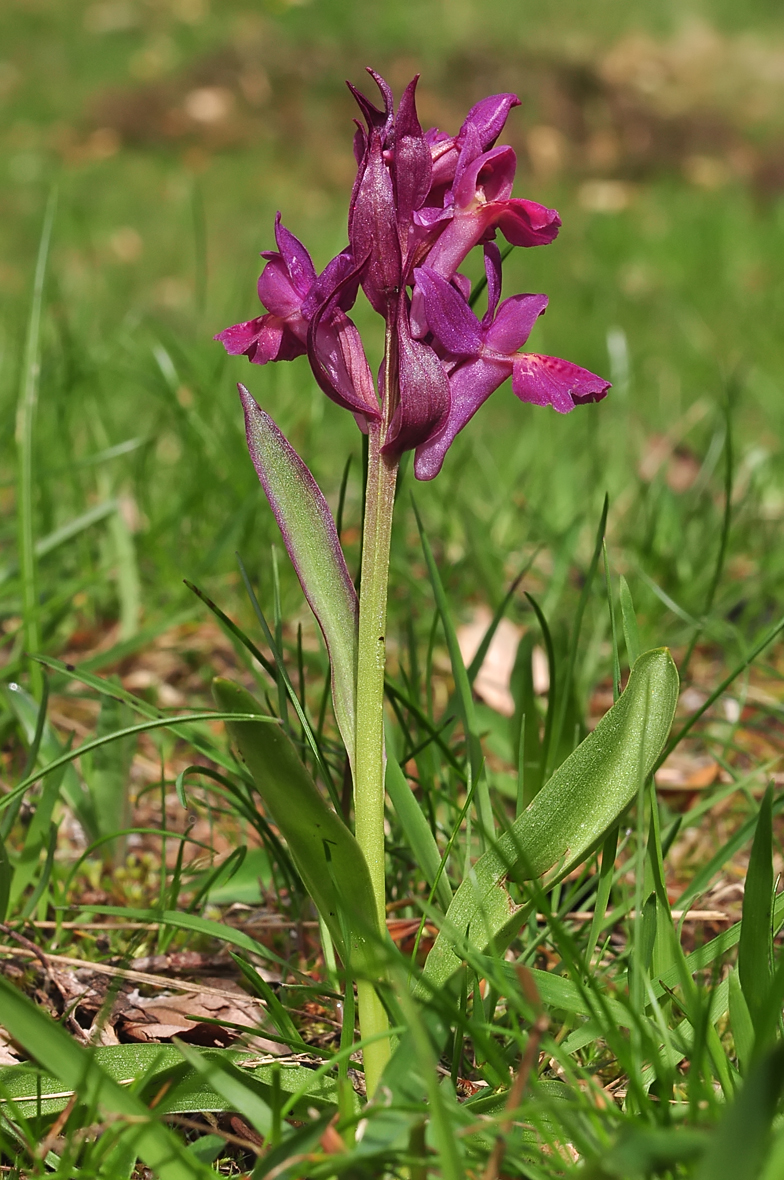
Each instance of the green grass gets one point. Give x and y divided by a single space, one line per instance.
137 477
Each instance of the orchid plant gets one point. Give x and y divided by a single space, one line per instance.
421 202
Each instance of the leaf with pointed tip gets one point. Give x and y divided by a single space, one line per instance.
567 818
327 857
313 545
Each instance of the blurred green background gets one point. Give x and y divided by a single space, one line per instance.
174 129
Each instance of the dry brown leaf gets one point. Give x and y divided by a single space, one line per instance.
159 1018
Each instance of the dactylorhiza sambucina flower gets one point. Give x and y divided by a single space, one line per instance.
421 202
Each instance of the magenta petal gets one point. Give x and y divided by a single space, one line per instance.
276 290
524 223
489 176
546 380
513 323
450 318
470 385
296 258
488 116
240 337
424 391
413 165
265 339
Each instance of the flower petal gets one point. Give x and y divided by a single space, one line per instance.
449 317
524 223
513 323
470 385
296 258
488 176
488 116
264 339
546 380
276 291
413 164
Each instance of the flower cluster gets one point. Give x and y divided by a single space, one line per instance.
421 202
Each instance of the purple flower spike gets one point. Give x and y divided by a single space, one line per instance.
421 201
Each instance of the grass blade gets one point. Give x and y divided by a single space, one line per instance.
754 947
25 431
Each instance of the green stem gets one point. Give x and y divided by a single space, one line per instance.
369 770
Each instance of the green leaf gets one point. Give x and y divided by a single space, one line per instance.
77 1069
6 876
741 1138
107 776
754 947
527 744
326 855
152 1065
313 545
630 632
568 817
740 1019
417 830
228 1082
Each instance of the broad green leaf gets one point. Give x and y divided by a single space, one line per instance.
568 817
77 1069
326 855
25 1087
754 947
313 545
417 830
227 1081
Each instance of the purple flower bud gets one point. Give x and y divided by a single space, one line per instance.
423 397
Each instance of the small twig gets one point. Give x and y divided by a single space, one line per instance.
183 985
29 946
531 1054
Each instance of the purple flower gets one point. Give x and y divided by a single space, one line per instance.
480 355
283 285
421 201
